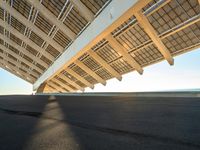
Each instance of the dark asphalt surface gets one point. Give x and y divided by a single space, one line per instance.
99 123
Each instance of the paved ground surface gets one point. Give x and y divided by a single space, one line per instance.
99 123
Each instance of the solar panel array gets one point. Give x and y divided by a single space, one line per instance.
29 48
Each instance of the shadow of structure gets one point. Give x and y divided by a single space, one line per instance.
132 122
19 115
99 123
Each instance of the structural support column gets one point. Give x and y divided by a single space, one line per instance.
143 21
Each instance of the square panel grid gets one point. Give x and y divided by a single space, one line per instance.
41 67
31 50
149 5
82 73
35 71
75 21
124 26
173 13
17 25
1 30
90 63
43 24
64 82
36 39
94 5
53 6
22 7
50 49
1 42
104 74
12 57
46 60
62 39
78 70
10 63
185 38
55 83
121 66
72 78
23 70
95 66
1 14
1 51
69 76
107 53
15 39
52 87
13 49
133 37
25 65
91 79
28 58
147 55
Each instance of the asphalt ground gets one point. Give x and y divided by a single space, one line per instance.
99 123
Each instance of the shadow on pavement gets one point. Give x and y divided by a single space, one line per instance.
100 123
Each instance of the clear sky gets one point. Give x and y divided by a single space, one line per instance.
185 74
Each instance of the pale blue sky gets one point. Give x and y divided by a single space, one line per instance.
185 74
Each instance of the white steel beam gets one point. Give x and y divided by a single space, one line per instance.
90 72
113 15
104 64
29 42
119 48
83 9
30 25
51 17
80 78
143 21
70 82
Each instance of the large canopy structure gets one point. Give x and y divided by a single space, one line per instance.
68 45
